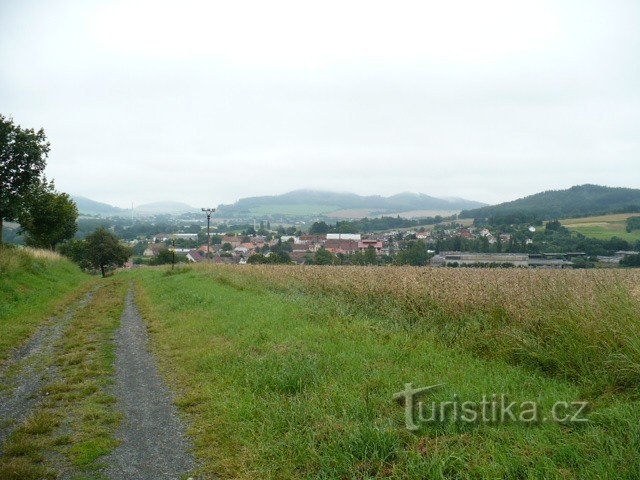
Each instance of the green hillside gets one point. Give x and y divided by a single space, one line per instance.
313 202
577 201
604 226
293 209
91 207
33 284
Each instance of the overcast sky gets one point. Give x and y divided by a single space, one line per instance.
207 102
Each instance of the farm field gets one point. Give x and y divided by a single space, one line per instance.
603 226
293 209
290 372
287 372
361 213
422 213
348 214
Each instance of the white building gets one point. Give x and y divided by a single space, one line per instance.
344 236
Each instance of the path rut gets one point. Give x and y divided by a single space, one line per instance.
28 369
154 444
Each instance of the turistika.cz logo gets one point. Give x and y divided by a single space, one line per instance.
491 409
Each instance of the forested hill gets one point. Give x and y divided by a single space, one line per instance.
91 207
310 202
578 201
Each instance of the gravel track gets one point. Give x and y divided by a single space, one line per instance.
28 369
154 442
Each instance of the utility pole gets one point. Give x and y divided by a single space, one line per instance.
208 211
173 253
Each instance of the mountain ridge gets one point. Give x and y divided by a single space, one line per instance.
405 201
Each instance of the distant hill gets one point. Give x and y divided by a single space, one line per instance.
578 201
91 207
314 202
156 208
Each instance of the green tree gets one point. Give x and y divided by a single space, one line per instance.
553 226
630 261
370 256
48 217
366 257
281 258
76 250
23 156
415 254
319 228
257 258
633 223
324 257
164 257
104 251
357 258
139 248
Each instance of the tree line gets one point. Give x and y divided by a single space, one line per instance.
47 217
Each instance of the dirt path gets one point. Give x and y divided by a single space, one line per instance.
29 369
154 442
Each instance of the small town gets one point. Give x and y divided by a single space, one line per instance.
438 246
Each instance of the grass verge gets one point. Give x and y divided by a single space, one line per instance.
75 422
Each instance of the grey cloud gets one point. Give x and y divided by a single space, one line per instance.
210 125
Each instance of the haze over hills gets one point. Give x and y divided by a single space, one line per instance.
87 206
297 203
165 207
91 207
577 201
315 202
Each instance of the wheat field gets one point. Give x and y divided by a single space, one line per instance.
582 325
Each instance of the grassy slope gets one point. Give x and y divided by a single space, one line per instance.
32 288
603 226
285 386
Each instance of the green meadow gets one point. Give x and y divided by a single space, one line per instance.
603 226
283 383
294 373
293 209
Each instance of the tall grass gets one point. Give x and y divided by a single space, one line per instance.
292 383
13 259
42 253
33 285
583 326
